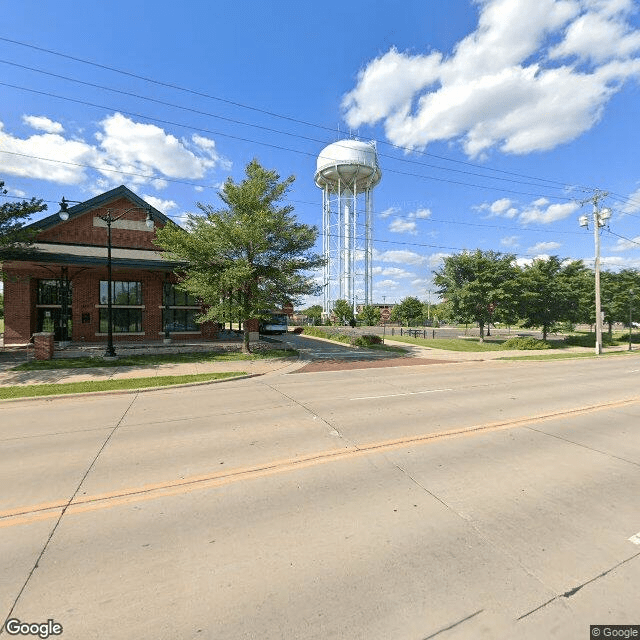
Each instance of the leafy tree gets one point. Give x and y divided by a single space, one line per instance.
369 315
343 312
616 298
15 240
409 311
248 257
479 287
314 313
552 290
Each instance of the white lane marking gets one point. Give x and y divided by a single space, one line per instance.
635 538
395 395
634 371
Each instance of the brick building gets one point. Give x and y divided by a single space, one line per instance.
63 288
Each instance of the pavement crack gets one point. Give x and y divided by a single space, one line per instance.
455 624
572 592
470 522
64 509
324 421
584 446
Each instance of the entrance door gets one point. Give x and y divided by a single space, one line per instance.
50 320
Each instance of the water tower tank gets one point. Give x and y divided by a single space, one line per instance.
351 161
347 171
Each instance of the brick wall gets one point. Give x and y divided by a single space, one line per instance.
20 288
19 296
84 229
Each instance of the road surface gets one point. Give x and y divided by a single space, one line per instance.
464 500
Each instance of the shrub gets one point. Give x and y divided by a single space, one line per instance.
587 340
298 330
367 340
523 344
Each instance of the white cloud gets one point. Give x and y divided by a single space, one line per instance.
540 210
394 272
159 204
632 204
600 34
399 257
387 283
123 146
525 80
543 247
625 245
389 212
403 226
545 213
23 157
42 123
420 214
509 241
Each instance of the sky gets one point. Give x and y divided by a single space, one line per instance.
495 121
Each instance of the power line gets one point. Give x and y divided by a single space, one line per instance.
279 131
281 116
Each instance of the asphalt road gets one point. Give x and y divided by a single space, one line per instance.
469 500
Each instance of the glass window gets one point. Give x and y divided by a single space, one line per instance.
180 320
51 291
124 320
122 293
175 297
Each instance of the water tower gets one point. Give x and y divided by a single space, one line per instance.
347 171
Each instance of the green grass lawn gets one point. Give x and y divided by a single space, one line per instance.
35 390
144 360
567 356
453 344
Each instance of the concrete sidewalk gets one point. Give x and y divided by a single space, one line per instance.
9 359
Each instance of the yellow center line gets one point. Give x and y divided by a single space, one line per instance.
81 504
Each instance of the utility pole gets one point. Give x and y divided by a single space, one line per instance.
600 219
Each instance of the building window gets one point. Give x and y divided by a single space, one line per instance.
122 293
50 292
180 310
174 297
126 307
124 320
53 310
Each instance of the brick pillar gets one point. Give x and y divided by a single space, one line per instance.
43 345
253 327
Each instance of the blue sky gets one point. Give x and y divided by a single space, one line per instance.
493 118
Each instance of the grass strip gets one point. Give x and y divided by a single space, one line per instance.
36 390
144 360
452 344
563 356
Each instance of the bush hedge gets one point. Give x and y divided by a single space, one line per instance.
523 344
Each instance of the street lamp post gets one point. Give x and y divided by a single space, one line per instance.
109 219
600 219
630 315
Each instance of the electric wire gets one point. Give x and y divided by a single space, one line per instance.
281 132
278 115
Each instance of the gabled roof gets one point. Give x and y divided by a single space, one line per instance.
98 201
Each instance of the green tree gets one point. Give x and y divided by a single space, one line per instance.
15 240
314 313
552 290
479 287
343 312
409 311
248 257
616 298
369 315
